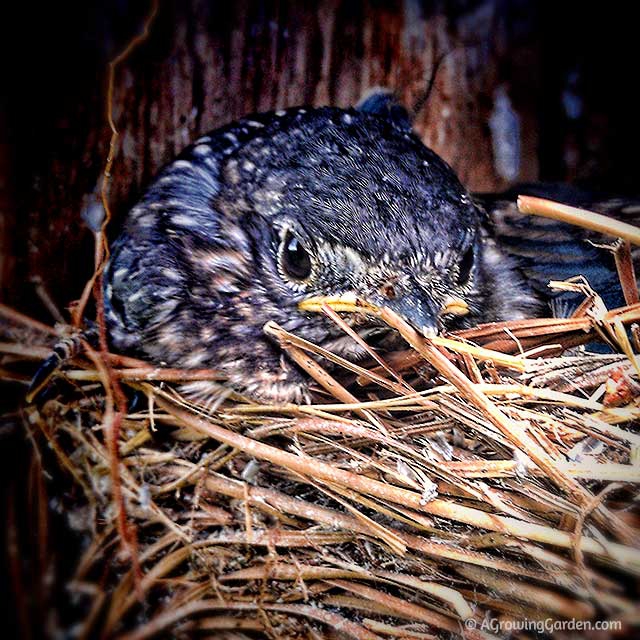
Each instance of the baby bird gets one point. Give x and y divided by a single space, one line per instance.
262 214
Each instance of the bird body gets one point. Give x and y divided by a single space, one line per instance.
256 217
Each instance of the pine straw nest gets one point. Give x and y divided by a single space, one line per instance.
465 486
479 485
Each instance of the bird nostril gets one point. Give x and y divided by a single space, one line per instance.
388 291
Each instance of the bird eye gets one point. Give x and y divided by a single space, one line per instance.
465 266
294 258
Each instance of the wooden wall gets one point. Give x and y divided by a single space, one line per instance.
205 63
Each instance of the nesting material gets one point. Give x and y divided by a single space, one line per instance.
472 484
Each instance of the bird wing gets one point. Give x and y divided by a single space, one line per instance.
546 249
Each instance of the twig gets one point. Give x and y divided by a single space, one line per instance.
101 250
579 217
626 271
623 556
20 318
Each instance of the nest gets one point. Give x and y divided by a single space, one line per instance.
474 485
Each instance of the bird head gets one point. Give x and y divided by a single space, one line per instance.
343 203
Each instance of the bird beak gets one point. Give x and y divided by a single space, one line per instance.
455 307
348 302
415 311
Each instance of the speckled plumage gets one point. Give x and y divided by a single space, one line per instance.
197 270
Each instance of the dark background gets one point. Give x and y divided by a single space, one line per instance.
208 62
569 70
